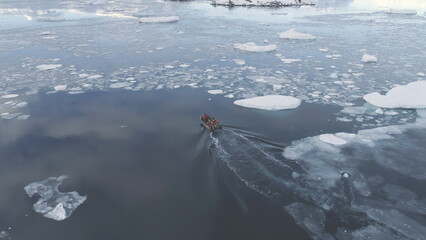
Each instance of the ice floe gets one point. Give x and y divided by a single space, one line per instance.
270 102
412 95
44 67
366 58
253 47
60 87
166 19
310 218
214 92
332 139
292 34
54 204
7 96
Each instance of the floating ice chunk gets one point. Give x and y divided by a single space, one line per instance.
21 105
323 49
252 47
239 62
60 87
366 58
167 19
371 232
332 139
58 213
401 11
52 203
310 218
121 85
421 74
270 102
7 96
44 67
412 95
23 117
215 92
292 34
290 60
393 219
379 111
83 75
96 76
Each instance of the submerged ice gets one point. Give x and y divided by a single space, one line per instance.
52 203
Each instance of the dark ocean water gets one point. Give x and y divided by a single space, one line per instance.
146 165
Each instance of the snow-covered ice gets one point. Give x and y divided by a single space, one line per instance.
60 87
253 47
165 19
332 139
366 58
412 95
214 92
7 96
270 102
52 203
44 67
292 34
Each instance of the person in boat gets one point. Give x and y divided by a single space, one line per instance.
204 117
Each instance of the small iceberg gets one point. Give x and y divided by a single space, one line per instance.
366 58
292 34
252 47
54 204
412 95
270 102
159 19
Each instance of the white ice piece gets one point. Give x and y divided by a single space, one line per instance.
332 139
52 203
214 92
166 19
270 102
44 67
239 62
60 87
7 96
366 58
412 95
292 34
252 47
